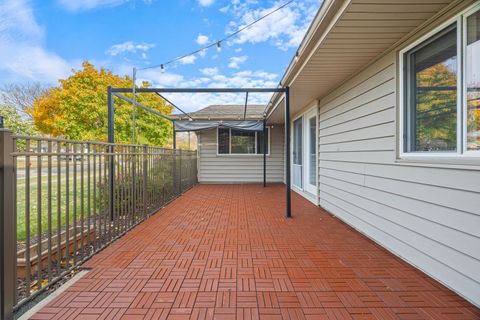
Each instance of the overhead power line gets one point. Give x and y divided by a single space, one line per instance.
217 43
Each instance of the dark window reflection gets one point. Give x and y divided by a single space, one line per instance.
432 123
243 142
223 141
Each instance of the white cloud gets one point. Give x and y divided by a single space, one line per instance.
34 63
23 56
209 71
202 39
16 17
77 5
284 28
212 78
129 46
203 53
82 5
206 3
166 79
236 61
188 60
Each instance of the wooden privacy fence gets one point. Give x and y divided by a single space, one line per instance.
62 201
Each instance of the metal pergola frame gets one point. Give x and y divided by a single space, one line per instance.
117 92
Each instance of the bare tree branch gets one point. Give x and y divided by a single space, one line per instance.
21 96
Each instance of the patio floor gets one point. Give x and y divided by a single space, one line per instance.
227 252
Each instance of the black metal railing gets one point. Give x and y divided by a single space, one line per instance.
63 201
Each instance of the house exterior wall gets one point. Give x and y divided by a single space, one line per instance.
426 213
214 168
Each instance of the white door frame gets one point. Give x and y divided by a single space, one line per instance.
308 191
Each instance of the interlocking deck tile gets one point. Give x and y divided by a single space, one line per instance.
227 252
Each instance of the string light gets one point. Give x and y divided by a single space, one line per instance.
217 44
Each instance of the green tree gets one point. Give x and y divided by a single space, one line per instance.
77 109
436 108
14 121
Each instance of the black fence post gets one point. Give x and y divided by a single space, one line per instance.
180 187
288 213
174 163
7 226
111 149
145 176
174 137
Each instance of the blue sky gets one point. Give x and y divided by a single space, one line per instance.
41 41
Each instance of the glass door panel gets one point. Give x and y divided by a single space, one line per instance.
311 152
297 166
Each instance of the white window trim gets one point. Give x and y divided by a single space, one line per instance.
461 155
244 154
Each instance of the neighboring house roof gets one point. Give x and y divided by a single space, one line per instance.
346 36
225 112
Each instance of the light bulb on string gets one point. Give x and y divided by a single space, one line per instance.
218 44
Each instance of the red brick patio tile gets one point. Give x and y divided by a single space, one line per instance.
227 252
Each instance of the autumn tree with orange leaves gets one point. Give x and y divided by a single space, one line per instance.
77 109
436 109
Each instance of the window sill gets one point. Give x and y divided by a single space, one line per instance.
464 162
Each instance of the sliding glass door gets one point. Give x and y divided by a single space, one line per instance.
304 149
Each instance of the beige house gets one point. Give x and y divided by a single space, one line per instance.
227 155
385 130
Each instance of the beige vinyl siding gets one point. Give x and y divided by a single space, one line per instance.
213 168
428 215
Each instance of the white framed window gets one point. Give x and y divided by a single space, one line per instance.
440 91
238 142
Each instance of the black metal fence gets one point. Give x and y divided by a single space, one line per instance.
63 201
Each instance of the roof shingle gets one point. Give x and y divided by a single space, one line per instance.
226 112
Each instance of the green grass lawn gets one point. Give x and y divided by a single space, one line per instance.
99 201
55 193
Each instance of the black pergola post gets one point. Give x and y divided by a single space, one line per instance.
265 152
111 137
174 159
288 214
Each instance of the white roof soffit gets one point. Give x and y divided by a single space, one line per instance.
344 37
